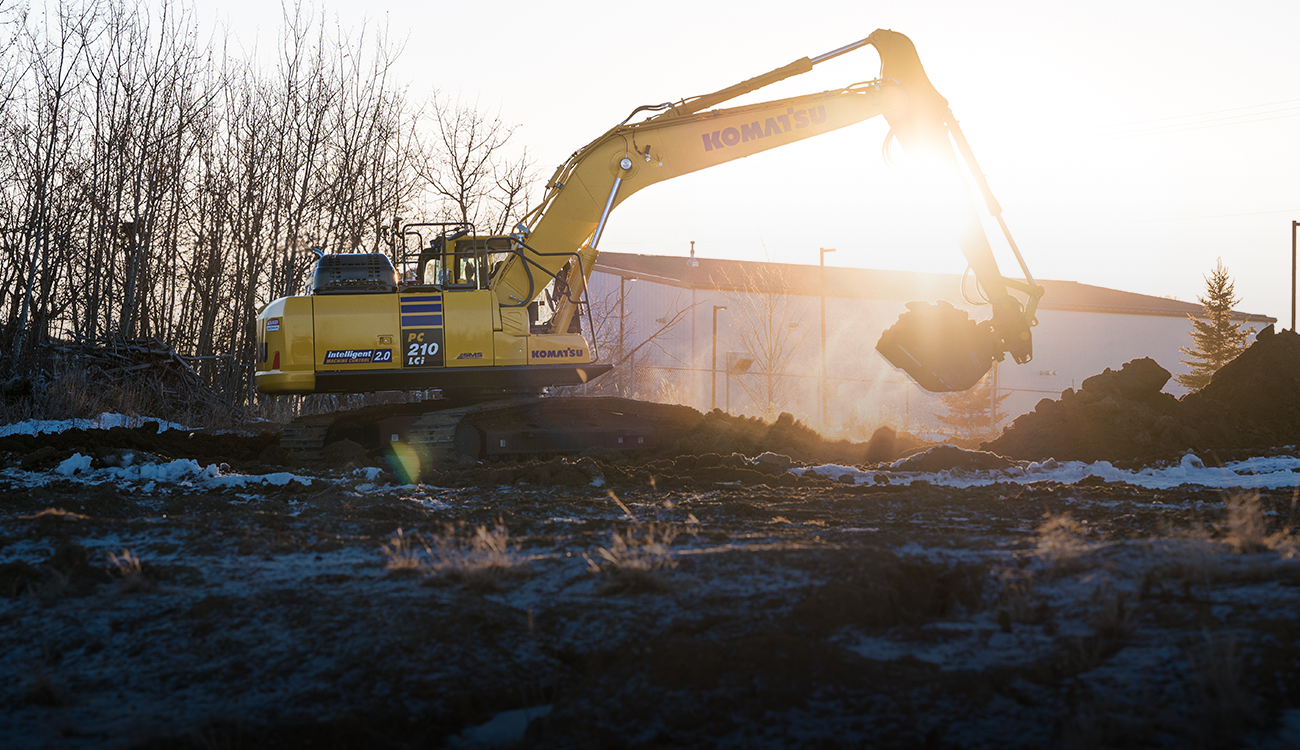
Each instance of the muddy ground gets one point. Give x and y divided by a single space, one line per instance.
697 601
753 586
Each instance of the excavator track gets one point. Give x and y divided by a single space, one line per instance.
437 433
305 438
434 435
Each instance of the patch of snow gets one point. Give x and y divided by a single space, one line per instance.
973 649
371 473
834 471
147 477
105 421
73 465
506 729
1272 472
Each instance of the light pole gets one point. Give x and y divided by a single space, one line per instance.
1294 225
713 373
622 342
822 383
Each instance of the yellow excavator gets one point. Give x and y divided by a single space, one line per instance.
478 318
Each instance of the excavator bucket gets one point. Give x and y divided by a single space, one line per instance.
940 346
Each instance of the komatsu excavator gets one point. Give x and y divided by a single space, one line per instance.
479 318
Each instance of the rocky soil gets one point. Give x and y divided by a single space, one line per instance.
1251 403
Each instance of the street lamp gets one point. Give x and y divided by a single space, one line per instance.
713 373
822 383
622 342
1294 225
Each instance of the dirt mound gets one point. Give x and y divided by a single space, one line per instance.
949 457
723 433
1252 402
105 446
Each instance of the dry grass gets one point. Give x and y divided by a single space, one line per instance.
1227 704
66 390
129 573
633 560
1240 549
1246 530
1060 542
1017 603
403 551
479 558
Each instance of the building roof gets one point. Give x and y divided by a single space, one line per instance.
865 283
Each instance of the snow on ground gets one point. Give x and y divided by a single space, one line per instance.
105 421
181 475
1265 472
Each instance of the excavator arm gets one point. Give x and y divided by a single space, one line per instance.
941 350
630 157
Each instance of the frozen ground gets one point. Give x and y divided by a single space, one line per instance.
161 601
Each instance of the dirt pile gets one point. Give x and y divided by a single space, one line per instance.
1252 402
44 451
723 433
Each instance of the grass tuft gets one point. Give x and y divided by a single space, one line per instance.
1061 543
129 572
1246 530
403 551
1217 674
1017 602
481 558
633 559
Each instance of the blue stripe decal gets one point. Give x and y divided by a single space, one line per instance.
434 307
409 321
423 298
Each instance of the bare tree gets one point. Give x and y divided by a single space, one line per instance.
618 339
768 320
467 169
43 143
152 185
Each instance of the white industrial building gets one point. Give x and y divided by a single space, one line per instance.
769 337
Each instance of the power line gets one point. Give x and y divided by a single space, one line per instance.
1202 114
1182 128
1194 218
1197 121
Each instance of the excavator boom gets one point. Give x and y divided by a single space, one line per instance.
690 136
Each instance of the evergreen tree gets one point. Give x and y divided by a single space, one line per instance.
971 413
1218 338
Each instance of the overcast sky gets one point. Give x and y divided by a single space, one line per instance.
1130 143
